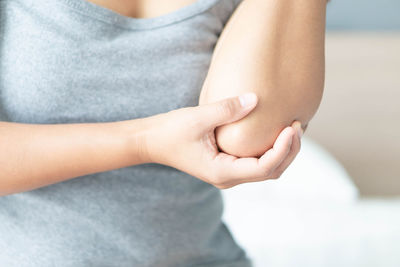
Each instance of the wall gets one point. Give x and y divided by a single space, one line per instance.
359 117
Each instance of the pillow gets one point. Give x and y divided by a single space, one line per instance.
315 175
272 220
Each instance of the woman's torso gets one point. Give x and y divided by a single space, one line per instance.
70 61
143 8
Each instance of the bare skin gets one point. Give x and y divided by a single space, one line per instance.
274 48
33 155
37 155
143 8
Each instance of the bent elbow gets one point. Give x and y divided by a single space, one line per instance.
256 133
245 139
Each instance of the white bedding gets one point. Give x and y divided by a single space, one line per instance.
313 216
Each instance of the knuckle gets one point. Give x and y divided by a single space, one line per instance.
218 181
273 174
281 173
267 171
277 175
227 108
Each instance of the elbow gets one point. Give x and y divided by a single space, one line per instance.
246 138
240 141
256 133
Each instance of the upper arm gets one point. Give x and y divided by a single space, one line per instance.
275 49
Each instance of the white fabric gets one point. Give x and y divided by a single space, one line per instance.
312 216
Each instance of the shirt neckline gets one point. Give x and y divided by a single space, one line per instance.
109 16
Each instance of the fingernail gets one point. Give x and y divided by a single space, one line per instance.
248 99
298 129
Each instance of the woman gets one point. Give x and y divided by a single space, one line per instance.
106 159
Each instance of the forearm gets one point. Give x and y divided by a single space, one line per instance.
274 48
36 155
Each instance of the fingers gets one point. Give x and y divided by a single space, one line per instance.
294 150
277 154
226 111
233 170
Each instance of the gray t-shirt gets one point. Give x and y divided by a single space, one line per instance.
70 61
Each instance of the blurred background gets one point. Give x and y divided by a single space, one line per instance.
359 117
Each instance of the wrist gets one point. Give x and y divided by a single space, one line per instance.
135 135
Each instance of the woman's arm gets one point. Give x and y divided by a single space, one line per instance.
274 48
36 155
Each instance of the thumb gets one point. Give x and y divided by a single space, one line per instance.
227 110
